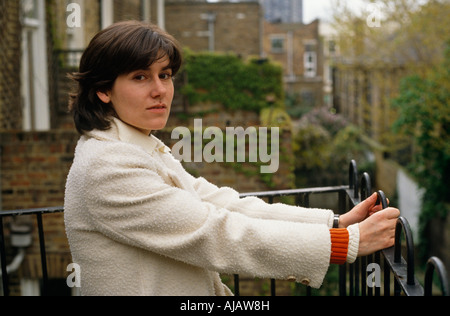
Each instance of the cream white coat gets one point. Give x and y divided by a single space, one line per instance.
139 224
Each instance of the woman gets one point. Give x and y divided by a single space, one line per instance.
139 224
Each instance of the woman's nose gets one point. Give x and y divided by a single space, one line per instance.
158 88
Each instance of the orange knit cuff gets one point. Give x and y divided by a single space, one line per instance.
339 245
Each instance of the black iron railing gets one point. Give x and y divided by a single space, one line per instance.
38 214
354 279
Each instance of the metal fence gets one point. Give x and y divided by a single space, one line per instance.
354 279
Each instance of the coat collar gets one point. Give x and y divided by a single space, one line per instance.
127 133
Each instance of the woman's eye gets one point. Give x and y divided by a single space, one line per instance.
165 76
139 77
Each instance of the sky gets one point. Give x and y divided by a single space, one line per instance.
322 9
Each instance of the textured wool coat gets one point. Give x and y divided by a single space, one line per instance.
139 224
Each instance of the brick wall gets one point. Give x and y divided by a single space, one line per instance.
237 25
10 35
127 10
33 169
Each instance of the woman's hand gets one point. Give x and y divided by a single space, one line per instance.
360 212
378 231
377 226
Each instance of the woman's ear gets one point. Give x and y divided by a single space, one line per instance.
104 97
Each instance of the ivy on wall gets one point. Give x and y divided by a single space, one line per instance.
228 80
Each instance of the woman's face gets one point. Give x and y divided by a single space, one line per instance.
143 98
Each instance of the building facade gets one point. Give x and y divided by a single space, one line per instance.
298 48
10 60
224 26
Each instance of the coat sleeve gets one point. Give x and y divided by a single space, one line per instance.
257 208
130 203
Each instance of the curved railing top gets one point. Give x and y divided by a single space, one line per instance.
393 255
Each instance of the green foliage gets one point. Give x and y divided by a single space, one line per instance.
312 147
330 121
424 115
226 79
323 145
275 117
350 144
296 106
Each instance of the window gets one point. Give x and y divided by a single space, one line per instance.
36 112
30 9
332 46
310 61
277 44
307 99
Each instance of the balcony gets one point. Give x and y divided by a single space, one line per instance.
387 272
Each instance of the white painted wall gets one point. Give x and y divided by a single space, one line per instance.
409 199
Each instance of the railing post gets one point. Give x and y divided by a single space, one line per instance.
236 285
359 268
342 280
382 199
366 186
402 224
436 264
353 178
43 254
3 260
365 192
377 261
387 278
342 268
273 286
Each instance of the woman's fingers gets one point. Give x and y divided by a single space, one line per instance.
377 208
378 231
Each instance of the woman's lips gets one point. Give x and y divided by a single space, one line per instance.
158 108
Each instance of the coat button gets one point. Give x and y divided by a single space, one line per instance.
291 278
305 281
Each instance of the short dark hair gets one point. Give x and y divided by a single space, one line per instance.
119 49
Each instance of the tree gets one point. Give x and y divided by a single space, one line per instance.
424 115
324 143
409 32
